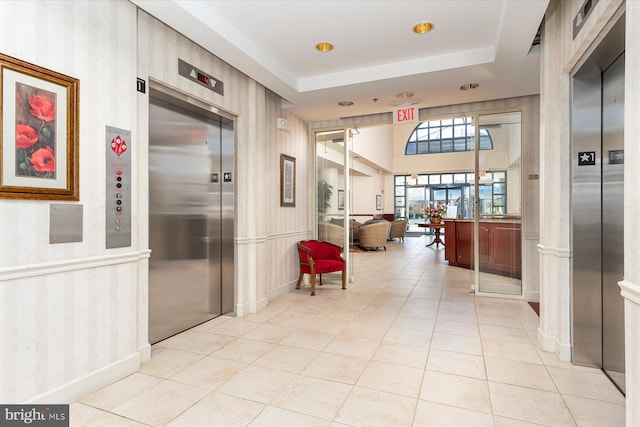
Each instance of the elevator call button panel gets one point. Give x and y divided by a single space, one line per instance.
118 204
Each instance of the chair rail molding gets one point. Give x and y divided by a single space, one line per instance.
551 250
53 267
630 291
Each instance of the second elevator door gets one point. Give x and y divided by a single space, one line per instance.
598 208
613 221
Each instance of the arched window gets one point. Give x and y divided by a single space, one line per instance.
445 136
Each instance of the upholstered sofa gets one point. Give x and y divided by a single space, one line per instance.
374 235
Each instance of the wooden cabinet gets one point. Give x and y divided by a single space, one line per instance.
499 245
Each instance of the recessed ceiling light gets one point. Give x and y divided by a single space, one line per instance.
469 86
324 47
405 95
345 103
422 27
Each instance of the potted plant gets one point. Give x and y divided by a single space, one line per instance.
325 190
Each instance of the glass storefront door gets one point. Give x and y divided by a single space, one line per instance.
417 201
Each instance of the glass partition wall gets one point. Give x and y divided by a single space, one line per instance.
498 241
332 190
483 233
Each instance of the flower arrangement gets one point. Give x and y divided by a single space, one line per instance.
436 213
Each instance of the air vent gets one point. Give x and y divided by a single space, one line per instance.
536 38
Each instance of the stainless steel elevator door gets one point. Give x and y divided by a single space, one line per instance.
586 292
613 221
598 208
186 217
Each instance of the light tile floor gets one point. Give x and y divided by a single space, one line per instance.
405 345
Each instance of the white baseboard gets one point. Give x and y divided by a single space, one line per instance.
550 344
261 304
251 307
532 296
145 353
74 390
283 289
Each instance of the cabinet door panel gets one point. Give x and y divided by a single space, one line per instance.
484 235
507 250
465 243
450 241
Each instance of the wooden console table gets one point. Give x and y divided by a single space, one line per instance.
436 227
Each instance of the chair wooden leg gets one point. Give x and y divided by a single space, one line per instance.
313 281
344 278
299 280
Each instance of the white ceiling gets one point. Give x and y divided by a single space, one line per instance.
376 54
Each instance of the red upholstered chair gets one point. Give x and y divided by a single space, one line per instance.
318 257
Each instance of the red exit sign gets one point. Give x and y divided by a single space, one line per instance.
405 115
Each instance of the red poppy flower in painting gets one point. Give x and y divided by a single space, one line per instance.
42 160
42 108
26 136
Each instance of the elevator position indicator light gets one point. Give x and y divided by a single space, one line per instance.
202 78
587 158
616 157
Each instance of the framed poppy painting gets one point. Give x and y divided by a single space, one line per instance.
39 141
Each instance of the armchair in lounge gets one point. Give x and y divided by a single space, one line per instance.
354 227
374 235
332 233
317 257
398 229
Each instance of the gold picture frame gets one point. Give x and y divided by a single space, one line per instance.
287 181
39 144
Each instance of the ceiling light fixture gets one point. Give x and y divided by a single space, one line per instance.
345 103
422 27
469 86
405 95
324 47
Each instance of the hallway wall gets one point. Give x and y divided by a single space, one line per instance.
631 285
561 53
70 310
73 317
